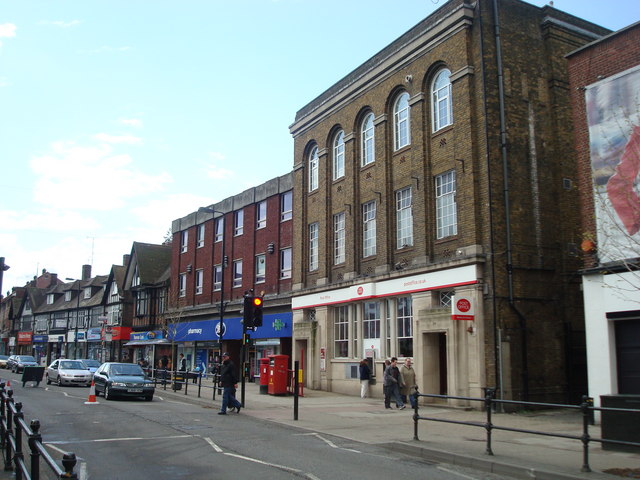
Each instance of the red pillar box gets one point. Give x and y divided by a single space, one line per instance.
264 375
278 374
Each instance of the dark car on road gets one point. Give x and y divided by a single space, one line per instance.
123 380
17 362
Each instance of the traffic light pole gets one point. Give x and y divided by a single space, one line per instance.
252 318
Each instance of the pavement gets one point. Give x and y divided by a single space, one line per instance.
515 454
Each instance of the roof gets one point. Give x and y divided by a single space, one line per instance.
153 262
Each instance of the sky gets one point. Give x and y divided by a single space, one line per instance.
118 117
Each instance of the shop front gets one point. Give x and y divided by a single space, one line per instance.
113 339
149 347
199 340
40 348
25 342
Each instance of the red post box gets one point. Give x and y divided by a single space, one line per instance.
278 374
264 375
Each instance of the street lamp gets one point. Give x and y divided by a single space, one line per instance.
222 267
75 338
3 268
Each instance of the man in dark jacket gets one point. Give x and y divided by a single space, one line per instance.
229 382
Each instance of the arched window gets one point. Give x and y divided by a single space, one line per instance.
313 169
367 138
442 105
401 121
338 155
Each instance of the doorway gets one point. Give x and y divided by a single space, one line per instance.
434 361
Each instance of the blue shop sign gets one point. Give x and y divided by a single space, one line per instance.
274 325
40 338
146 336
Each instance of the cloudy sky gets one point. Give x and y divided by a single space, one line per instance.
120 116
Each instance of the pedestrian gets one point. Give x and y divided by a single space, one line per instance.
393 381
164 364
365 375
408 375
182 363
385 389
229 381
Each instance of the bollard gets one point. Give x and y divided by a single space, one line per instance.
488 400
587 411
415 413
68 462
295 390
34 439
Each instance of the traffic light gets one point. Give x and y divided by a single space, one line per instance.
252 311
246 339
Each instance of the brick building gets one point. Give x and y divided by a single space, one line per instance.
441 173
253 232
605 88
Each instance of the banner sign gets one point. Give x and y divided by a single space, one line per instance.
462 308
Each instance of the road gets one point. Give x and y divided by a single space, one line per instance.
170 439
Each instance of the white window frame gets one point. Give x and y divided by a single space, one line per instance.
67 296
341 331
184 240
237 273
441 100
402 121
369 229
50 298
404 324
371 320
217 278
285 262
199 281
338 155
182 285
87 292
238 223
367 141
200 236
446 207
261 268
286 206
339 238
313 246
404 218
219 230
261 215
314 162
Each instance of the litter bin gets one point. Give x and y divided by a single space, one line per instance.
622 426
264 375
278 374
178 380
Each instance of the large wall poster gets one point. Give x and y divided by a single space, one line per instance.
613 115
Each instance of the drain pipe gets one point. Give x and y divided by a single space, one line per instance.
497 357
507 215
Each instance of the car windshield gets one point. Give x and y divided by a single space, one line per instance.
127 370
91 363
71 365
26 358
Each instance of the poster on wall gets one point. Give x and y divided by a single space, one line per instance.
613 116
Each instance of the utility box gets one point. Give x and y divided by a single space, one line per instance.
278 374
622 426
264 375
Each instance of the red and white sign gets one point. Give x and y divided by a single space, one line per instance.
462 309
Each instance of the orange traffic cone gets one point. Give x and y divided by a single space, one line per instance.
8 387
92 395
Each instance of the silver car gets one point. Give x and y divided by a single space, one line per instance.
68 372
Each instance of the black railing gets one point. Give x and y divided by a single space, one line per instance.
490 402
179 380
13 428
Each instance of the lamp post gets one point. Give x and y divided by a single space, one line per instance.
3 268
75 338
222 267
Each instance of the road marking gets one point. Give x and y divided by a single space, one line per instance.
456 473
215 447
81 464
123 439
333 445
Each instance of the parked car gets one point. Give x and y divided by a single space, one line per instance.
68 372
3 361
123 379
90 364
17 362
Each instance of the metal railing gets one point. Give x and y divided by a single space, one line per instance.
14 428
179 380
490 402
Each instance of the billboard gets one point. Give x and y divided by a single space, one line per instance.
613 116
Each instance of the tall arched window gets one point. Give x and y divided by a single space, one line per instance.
338 155
442 104
313 169
401 121
367 138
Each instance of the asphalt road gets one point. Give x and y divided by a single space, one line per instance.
169 439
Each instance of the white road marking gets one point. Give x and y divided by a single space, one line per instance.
333 445
456 473
215 447
123 439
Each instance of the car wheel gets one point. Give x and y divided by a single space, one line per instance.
107 393
48 380
149 398
59 381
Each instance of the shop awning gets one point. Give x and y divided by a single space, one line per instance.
155 341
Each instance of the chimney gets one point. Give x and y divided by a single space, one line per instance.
125 259
86 272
